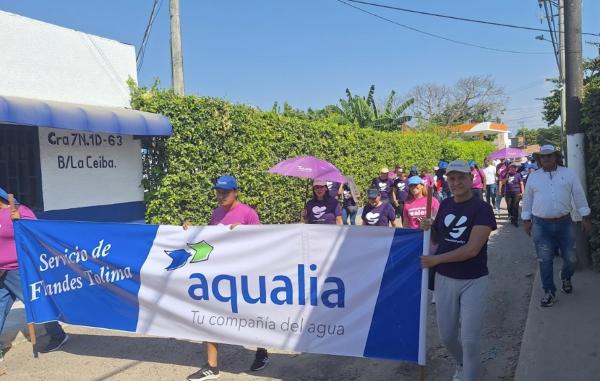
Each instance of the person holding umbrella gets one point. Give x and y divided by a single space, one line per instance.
322 208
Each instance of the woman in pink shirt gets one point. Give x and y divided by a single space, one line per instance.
478 180
415 208
10 280
230 212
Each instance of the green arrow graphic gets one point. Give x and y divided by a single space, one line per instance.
201 251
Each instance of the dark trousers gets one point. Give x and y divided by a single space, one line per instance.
512 204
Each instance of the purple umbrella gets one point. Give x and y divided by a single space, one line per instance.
309 167
507 153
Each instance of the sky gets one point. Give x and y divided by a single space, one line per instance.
307 52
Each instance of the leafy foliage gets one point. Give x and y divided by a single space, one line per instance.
212 137
364 112
591 125
541 136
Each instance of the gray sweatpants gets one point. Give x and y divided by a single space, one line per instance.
459 305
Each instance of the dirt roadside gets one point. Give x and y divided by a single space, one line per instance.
107 355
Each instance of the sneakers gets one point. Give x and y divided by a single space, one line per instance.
567 286
261 360
55 343
207 372
548 300
458 373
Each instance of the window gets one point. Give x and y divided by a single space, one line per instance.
20 172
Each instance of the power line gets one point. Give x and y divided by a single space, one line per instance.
460 18
140 56
436 35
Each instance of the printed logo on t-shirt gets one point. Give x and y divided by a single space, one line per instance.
383 186
347 195
329 184
372 218
319 211
401 185
457 225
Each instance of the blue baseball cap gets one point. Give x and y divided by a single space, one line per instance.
442 164
225 183
415 180
471 163
4 196
373 193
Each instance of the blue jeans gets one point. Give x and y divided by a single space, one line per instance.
498 200
477 193
490 194
10 289
349 211
548 237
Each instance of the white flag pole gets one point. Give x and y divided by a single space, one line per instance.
424 287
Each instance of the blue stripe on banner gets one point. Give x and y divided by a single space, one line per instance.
122 212
62 263
394 332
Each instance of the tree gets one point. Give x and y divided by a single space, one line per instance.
591 77
530 136
470 99
364 112
550 135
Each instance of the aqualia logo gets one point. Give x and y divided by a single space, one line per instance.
277 289
179 257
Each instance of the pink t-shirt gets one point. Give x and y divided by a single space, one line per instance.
416 209
478 178
239 214
8 251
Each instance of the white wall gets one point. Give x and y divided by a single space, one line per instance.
44 61
77 173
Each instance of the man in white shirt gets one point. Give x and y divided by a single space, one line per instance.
491 187
550 195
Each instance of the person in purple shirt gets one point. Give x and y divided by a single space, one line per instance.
512 188
384 184
461 229
230 212
400 193
334 189
376 212
322 208
349 208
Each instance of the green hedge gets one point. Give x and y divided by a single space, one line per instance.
591 125
212 137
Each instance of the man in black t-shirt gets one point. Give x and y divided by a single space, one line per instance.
461 229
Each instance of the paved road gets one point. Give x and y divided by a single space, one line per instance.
93 355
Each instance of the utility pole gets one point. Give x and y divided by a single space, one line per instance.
176 53
574 94
563 95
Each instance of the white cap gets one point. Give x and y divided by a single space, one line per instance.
319 182
458 166
547 149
